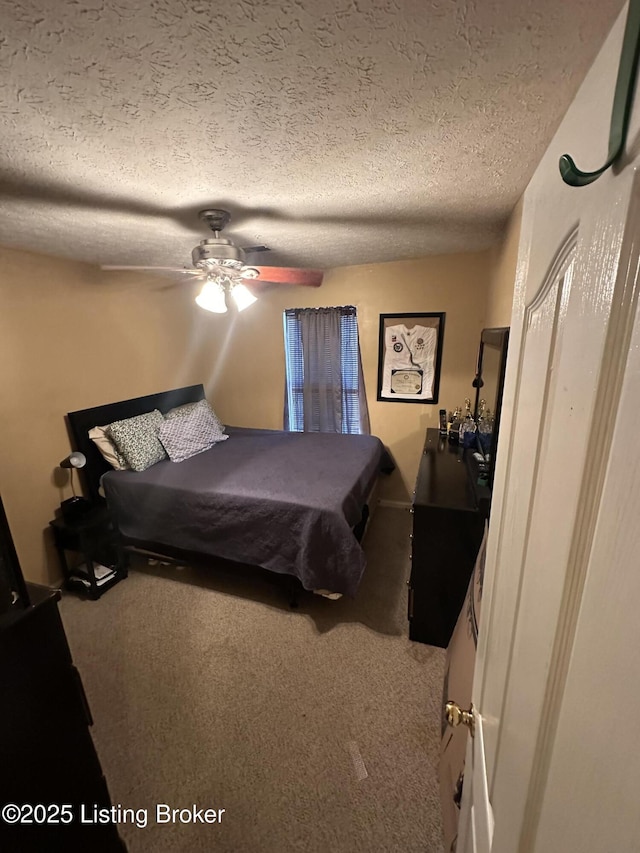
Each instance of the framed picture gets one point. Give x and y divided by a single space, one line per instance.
409 357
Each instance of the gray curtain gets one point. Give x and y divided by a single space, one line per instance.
322 394
324 366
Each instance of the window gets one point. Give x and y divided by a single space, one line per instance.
324 382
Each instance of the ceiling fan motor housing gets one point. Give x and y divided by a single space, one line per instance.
217 250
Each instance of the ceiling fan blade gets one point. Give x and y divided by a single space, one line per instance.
251 250
289 275
155 269
171 286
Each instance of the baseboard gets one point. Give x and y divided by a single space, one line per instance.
394 504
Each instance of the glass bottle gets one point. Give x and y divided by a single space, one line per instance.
467 427
454 431
485 426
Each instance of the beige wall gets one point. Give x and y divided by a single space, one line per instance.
503 273
247 382
72 337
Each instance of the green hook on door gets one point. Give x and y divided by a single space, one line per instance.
622 103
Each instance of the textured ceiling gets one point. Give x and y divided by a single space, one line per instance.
336 131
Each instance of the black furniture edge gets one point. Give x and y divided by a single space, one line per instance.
11 577
48 753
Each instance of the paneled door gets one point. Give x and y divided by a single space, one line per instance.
555 761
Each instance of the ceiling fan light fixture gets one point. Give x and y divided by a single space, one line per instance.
212 298
242 296
221 264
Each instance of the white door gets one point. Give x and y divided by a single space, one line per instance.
557 675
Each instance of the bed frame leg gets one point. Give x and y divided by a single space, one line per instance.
293 593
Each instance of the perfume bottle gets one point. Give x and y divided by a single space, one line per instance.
467 427
485 426
454 429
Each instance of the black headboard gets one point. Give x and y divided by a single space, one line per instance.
82 421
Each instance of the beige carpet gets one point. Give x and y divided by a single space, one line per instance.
210 690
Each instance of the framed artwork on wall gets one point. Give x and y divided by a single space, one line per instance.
409 357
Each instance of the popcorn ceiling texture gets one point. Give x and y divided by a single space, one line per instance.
336 131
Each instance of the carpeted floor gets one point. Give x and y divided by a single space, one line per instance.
316 730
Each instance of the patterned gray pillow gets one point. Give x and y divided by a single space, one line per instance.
137 439
185 436
187 408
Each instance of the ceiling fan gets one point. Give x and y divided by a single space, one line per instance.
220 263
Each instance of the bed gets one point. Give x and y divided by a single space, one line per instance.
290 503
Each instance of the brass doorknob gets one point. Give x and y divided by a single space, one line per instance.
456 716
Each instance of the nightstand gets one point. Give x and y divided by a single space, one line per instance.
95 539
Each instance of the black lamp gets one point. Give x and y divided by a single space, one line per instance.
74 507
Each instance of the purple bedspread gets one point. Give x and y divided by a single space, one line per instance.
283 501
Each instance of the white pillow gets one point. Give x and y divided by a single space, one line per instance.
100 437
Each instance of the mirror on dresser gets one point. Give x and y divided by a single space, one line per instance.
489 384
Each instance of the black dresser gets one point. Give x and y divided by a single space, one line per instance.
49 768
449 512
48 757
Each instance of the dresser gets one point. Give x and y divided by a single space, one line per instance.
48 757
448 514
49 767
